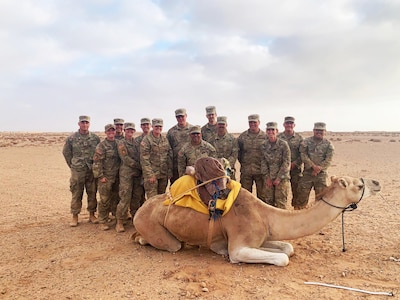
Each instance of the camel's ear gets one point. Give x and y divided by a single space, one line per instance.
334 178
342 182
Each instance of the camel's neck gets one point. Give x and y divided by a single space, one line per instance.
287 225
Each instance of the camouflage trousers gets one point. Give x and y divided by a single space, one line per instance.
247 180
306 183
156 188
108 191
131 193
295 176
277 195
115 197
79 181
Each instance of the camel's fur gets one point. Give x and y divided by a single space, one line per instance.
251 231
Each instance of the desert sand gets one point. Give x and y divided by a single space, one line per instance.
41 257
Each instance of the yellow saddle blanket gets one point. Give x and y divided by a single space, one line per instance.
184 193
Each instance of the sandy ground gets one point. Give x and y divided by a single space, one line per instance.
41 257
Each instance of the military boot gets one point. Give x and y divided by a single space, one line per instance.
92 218
120 226
74 221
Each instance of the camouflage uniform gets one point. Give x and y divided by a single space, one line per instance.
276 165
294 142
78 152
189 153
314 152
156 161
250 156
106 163
209 132
130 175
177 137
139 192
227 147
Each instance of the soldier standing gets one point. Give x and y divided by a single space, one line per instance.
119 135
209 131
139 191
177 136
193 150
250 157
316 153
156 160
226 144
78 152
119 128
276 165
129 172
106 163
294 140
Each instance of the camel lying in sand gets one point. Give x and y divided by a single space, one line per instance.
252 231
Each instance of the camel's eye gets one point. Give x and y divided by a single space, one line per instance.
360 186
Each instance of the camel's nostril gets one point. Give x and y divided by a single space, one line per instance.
375 182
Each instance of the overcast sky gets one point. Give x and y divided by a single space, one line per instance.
334 61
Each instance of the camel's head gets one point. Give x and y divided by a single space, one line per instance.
355 189
211 169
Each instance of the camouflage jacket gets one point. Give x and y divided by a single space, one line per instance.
106 161
209 132
189 153
227 147
79 149
294 142
250 153
177 137
128 152
156 157
316 152
276 162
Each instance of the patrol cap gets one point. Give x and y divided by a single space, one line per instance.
254 118
180 112
289 119
319 126
211 110
272 125
84 119
129 126
109 126
119 121
221 120
195 129
145 121
157 122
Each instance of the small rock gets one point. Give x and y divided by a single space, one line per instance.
204 289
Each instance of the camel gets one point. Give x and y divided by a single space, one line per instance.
251 231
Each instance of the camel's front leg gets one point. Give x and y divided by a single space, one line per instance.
254 255
278 246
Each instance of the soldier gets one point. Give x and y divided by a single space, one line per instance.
129 175
316 153
119 135
139 191
226 144
156 160
209 131
78 152
119 128
193 150
294 140
177 136
276 165
106 164
250 156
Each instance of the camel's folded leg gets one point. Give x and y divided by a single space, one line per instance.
278 246
254 255
156 235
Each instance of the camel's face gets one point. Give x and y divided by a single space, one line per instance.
357 188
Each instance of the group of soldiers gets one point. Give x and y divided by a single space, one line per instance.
125 170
